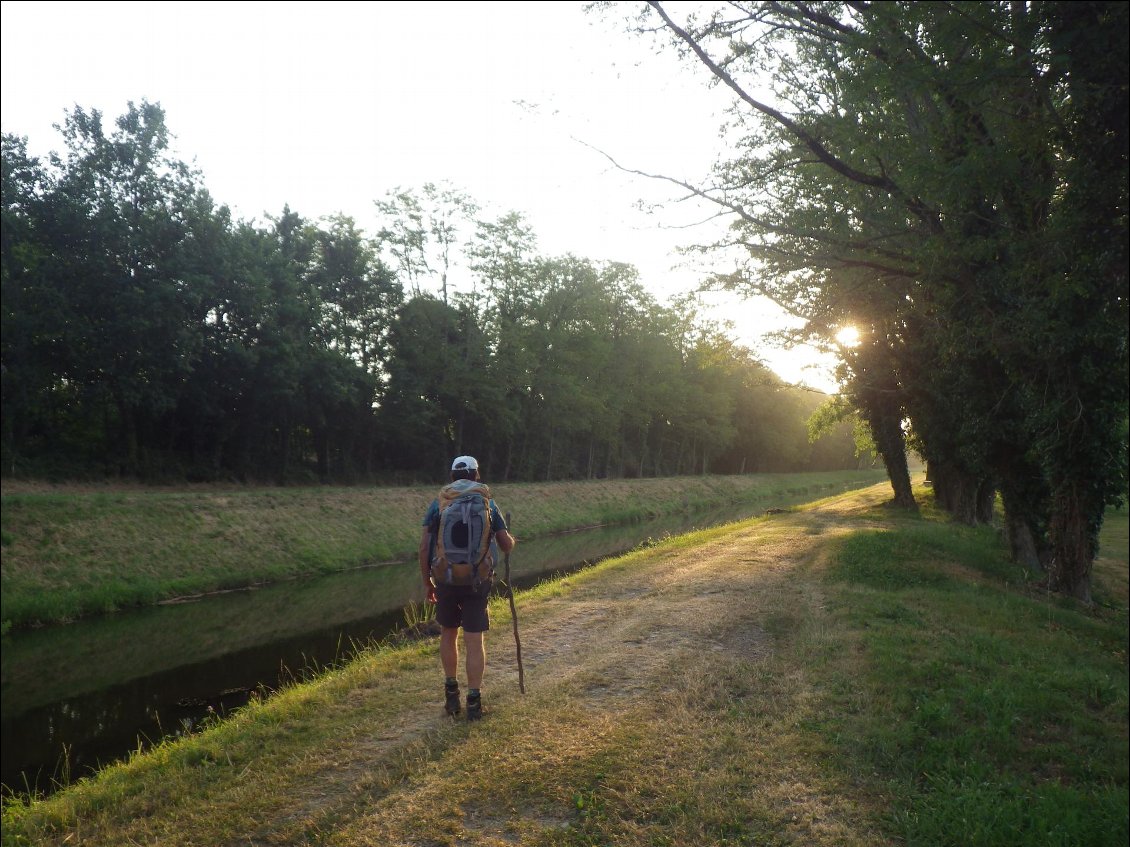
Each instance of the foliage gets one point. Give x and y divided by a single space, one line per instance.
147 334
836 410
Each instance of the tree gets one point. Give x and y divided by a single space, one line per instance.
30 316
113 224
359 293
146 332
359 296
951 178
501 255
425 235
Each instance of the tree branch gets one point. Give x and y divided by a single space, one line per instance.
826 157
810 141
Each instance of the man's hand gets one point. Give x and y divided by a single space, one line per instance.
431 594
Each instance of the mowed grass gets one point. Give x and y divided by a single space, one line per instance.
71 552
865 678
990 712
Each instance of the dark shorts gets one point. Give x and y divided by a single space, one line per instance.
463 606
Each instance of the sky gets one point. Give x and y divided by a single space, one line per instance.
327 106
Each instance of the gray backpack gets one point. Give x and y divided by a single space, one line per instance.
462 552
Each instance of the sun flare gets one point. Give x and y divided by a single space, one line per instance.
848 336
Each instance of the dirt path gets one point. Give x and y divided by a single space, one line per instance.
612 639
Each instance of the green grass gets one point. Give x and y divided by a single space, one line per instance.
79 552
996 714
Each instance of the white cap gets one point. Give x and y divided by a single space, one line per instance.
465 463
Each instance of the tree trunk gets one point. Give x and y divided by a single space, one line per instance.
1022 544
1023 520
284 458
643 452
890 440
1074 540
368 444
969 499
524 466
322 453
128 444
986 501
549 461
509 459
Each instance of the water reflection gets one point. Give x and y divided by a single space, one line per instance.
94 688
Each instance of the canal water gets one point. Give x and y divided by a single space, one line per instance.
76 697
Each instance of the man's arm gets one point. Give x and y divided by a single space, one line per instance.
506 541
502 535
425 565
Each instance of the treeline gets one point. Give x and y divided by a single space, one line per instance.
147 333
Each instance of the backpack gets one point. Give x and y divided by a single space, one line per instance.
462 550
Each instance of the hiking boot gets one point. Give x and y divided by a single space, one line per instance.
474 707
451 699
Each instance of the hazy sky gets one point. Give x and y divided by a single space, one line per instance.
326 106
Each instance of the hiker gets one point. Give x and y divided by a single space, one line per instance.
462 529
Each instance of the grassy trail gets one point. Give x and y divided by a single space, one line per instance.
715 689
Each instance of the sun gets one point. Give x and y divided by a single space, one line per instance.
848 337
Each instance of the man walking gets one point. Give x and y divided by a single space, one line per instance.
462 530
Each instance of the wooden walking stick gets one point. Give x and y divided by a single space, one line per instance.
514 616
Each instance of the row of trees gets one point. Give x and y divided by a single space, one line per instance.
147 333
951 180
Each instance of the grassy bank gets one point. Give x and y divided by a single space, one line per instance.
837 675
68 553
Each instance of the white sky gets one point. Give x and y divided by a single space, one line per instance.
326 106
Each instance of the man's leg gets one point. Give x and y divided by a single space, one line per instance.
476 662
449 652
449 656
476 658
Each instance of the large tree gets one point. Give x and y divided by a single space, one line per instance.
951 178
109 252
